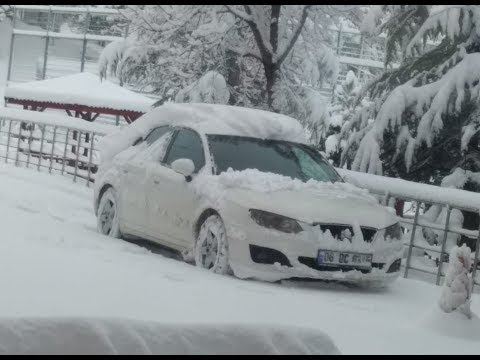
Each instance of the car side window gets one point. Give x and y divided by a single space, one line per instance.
187 145
156 134
157 150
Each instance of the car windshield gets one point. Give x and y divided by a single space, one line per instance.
272 156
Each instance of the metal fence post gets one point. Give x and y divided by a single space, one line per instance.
30 140
12 42
412 239
53 149
47 43
77 157
8 141
90 160
84 50
43 129
65 151
475 262
18 143
445 236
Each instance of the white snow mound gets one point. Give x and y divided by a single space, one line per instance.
453 325
262 182
210 119
125 337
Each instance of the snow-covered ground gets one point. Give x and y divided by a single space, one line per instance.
54 267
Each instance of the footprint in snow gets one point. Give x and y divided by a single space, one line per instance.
173 277
28 210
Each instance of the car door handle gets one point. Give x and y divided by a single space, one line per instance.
156 182
125 171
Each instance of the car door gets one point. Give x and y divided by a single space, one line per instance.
134 193
172 201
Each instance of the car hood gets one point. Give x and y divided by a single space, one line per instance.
322 206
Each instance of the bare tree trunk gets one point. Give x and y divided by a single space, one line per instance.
269 53
271 76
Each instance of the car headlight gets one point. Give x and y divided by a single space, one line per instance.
274 221
394 232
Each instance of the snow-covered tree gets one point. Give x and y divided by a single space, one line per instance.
272 56
423 118
457 290
341 112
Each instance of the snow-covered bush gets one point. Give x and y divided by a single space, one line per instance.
110 57
456 293
211 89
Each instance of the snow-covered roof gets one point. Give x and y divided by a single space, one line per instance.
81 89
207 119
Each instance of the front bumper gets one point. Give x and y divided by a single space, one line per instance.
295 256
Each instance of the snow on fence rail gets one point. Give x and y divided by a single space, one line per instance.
420 195
50 142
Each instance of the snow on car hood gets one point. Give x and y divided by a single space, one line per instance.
310 202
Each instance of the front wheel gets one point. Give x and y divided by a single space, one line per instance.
108 222
211 248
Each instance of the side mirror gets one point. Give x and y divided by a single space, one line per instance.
186 167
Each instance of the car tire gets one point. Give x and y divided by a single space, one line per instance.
211 247
108 222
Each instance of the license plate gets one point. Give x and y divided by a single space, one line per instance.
335 258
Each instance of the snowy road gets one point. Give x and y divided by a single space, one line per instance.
53 264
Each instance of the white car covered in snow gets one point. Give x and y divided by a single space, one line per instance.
239 190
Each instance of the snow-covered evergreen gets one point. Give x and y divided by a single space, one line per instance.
341 112
423 115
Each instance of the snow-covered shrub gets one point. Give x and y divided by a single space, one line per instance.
456 293
109 60
211 89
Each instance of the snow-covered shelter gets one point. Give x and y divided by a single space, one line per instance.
81 95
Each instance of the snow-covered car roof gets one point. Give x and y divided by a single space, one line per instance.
207 119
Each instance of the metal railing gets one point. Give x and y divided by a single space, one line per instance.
51 41
73 151
55 149
416 225
413 226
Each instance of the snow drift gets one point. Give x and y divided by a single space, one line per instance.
113 337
